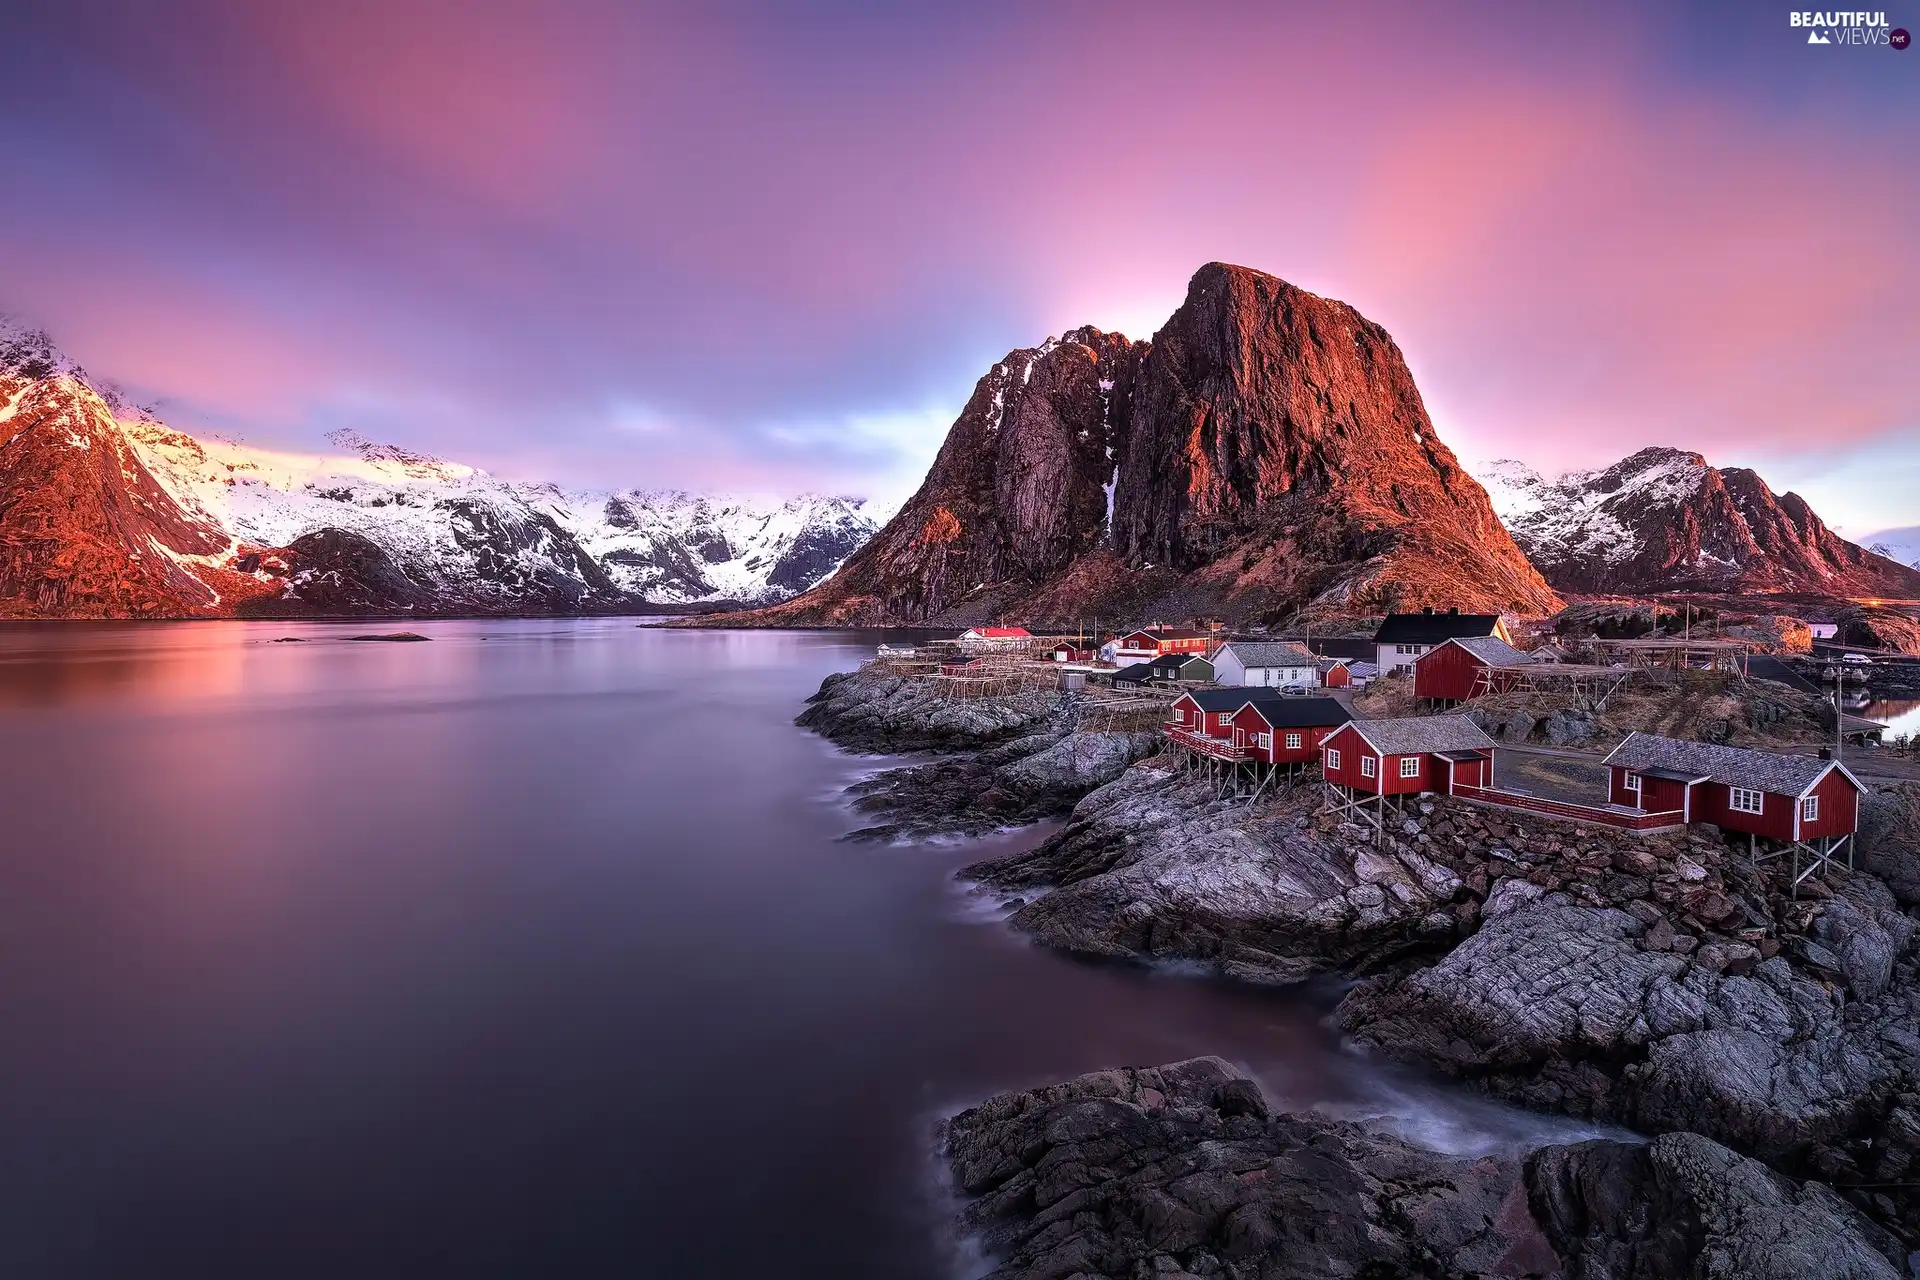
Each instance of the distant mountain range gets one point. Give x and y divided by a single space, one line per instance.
107 512
1266 453
1902 545
1667 520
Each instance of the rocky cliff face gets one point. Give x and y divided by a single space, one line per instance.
1018 492
107 512
1267 451
1666 520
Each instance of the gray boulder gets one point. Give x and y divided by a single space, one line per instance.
1686 1206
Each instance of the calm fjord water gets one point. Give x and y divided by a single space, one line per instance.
528 951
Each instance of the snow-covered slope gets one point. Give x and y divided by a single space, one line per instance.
364 527
1666 520
467 529
676 547
1902 545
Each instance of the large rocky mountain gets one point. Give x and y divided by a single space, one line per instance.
107 512
1666 520
1267 451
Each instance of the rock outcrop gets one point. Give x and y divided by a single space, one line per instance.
1007 762
1659 981
1268 451
1666 520
1185 1171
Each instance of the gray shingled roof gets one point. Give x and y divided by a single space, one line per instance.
1493 651
1411 735
1729 766
1268 653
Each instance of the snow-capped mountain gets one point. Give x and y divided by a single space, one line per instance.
1666 520
1902 545
110 512
676 547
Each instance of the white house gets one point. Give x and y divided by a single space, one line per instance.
1266 664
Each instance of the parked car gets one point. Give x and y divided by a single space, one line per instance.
1856 659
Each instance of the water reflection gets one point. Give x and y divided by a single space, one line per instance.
529 950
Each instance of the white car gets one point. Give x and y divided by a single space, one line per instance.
1856 659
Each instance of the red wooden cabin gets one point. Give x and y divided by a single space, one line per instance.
1793 799
1068 653
1211 711
1286 730
1408 755
1334 674
1151 642
1465 667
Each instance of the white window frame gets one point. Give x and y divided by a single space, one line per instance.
1333 757
1369 766
1265 741
1293 742
1738 796
1409 766
1810 808
1633 782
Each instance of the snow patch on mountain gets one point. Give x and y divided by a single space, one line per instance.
1900 545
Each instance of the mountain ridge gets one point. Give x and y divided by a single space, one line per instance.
1665 520
106 511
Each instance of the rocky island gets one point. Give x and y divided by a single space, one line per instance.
1768 1042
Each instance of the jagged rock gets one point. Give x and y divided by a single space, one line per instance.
1570 728
1889 838
870 710
1156 864
1685 1206
1185 1171
1182 1170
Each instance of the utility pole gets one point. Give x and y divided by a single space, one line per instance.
1839 726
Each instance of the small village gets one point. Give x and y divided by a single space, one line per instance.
1419 708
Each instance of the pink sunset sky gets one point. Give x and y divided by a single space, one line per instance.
771 247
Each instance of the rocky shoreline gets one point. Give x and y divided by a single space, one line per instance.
1184 1171
1010 762
1659 982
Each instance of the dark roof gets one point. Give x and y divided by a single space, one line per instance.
1234 699
1461 757
1174 661
1412 735
1730 766
1433 628
1269 653
1350 647
1138 673
1165 633
1302 713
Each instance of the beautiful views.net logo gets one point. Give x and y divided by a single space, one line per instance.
1862 29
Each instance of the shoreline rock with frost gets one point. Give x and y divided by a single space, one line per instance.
1185 1171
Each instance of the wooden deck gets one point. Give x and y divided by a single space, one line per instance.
1201 744
1607 815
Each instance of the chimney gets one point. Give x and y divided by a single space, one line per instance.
1427 609
1454 612
1826 753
